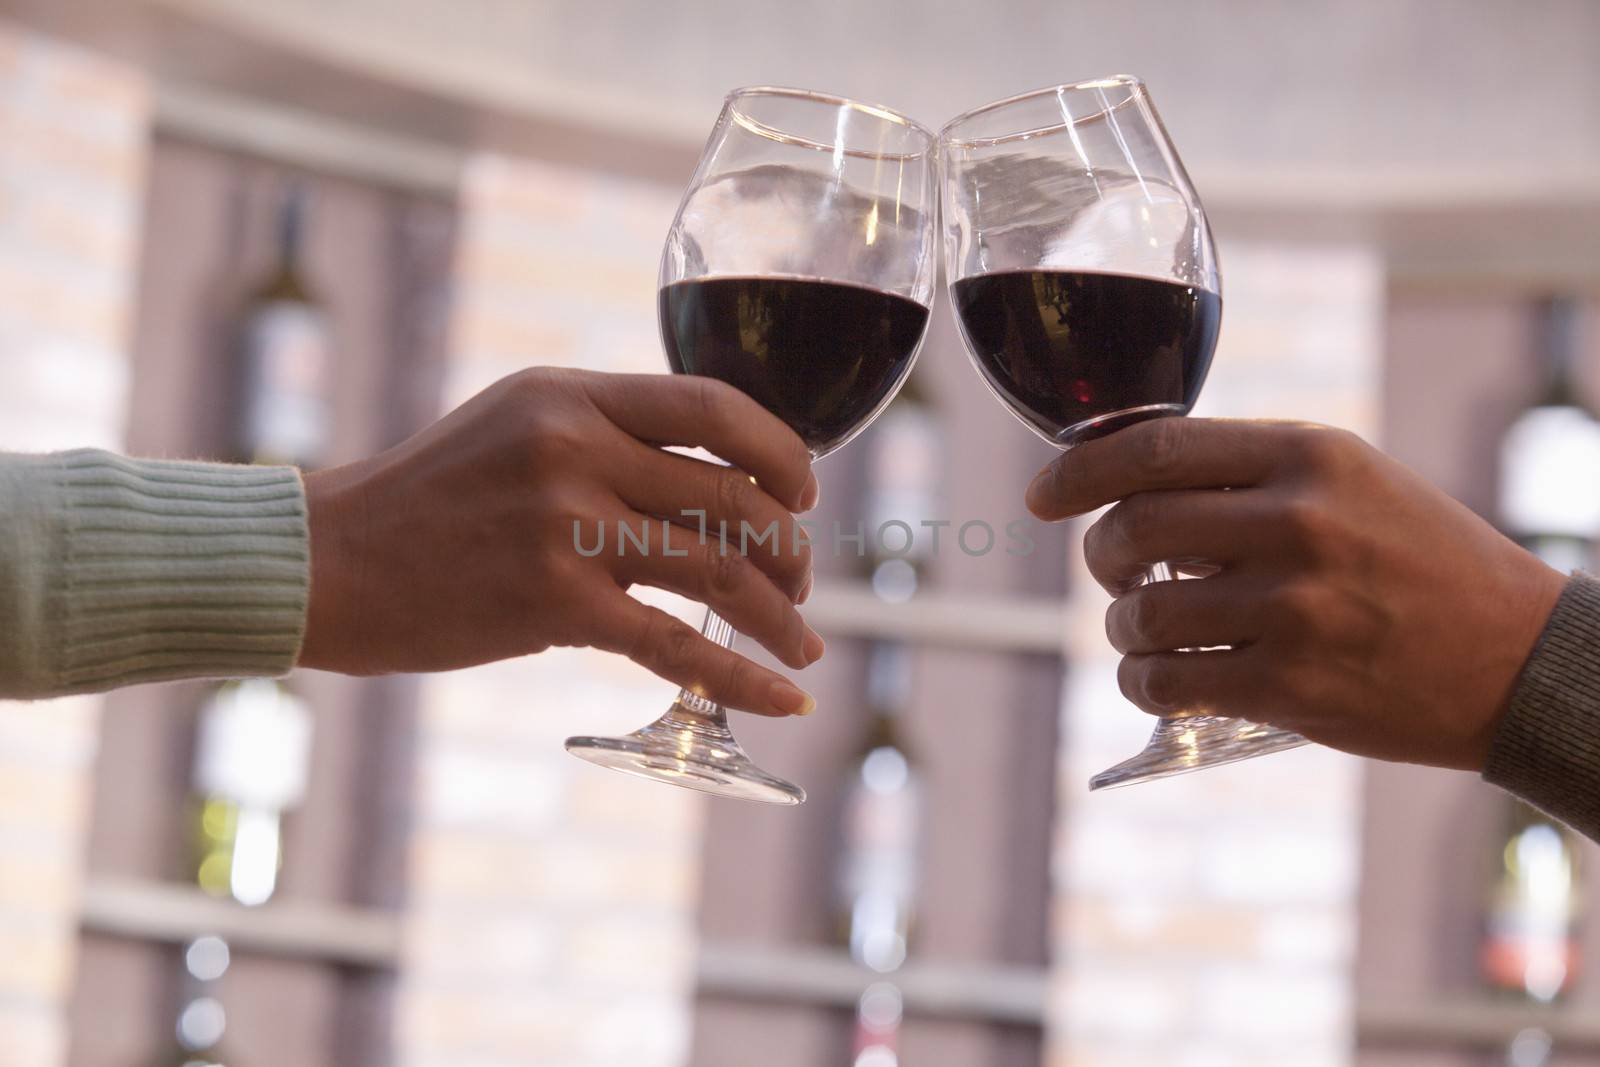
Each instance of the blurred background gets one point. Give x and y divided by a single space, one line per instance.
407 199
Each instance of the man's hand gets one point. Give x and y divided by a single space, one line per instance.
458 546
1345 597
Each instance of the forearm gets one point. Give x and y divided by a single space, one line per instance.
117 571
1547 747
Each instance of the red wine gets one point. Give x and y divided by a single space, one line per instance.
822 356
1067 349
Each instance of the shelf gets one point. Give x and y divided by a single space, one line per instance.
828 977
1474 1023
158 911
1009 624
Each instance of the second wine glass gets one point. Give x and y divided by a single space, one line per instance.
800 269
1085 283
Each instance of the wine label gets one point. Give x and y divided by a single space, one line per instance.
286 353
254 745
878 870
903 478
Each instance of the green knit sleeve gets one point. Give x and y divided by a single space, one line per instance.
116 571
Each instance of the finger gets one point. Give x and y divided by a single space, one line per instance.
1174 684
674 650
724 498
1195 529
685 409
1167 616
733 587
1167 453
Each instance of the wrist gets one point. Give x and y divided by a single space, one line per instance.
1527 620
333 520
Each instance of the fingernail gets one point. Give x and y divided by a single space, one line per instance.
811 493
789 700
805 593
813 646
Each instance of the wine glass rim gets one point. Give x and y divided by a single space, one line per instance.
876 111
1127 81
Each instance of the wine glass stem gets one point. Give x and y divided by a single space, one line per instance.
719 632
1159 572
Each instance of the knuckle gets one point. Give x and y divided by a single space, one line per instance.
1298 607
1107 537
1160 684
732 677
553 437
1327 450
675 646
1300 684
732 492
725 575
1163 448
1139 618
714 402
1305 521
534 381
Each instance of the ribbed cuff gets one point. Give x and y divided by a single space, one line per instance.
1547 748
171 570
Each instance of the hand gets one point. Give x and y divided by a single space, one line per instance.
1358 605
458 546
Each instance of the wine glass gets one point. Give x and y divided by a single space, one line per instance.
800 269
1085 283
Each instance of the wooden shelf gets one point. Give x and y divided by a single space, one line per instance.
1468 1022
828 977
158 911
1011 624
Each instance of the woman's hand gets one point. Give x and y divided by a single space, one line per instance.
461 545
1359 605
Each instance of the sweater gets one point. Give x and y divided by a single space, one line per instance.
116 571
1547 746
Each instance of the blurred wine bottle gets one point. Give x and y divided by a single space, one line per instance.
253 740
254 736
1550 455
905 456
251 758
284 354
1550 502
880 841
1530 934
881 821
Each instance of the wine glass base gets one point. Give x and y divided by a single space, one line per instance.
1193 743
689 750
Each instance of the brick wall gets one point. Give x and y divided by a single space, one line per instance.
1210 919
74 127
551 912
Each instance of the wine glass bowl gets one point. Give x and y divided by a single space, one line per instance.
1081 266
799 269
1085 284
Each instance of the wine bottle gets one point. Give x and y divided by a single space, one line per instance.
1550 502
881 830
254 736
881 821
284 354
1550 455
1530 947
250 768
252 749
901 505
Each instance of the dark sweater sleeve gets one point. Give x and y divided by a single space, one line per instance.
1547 749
